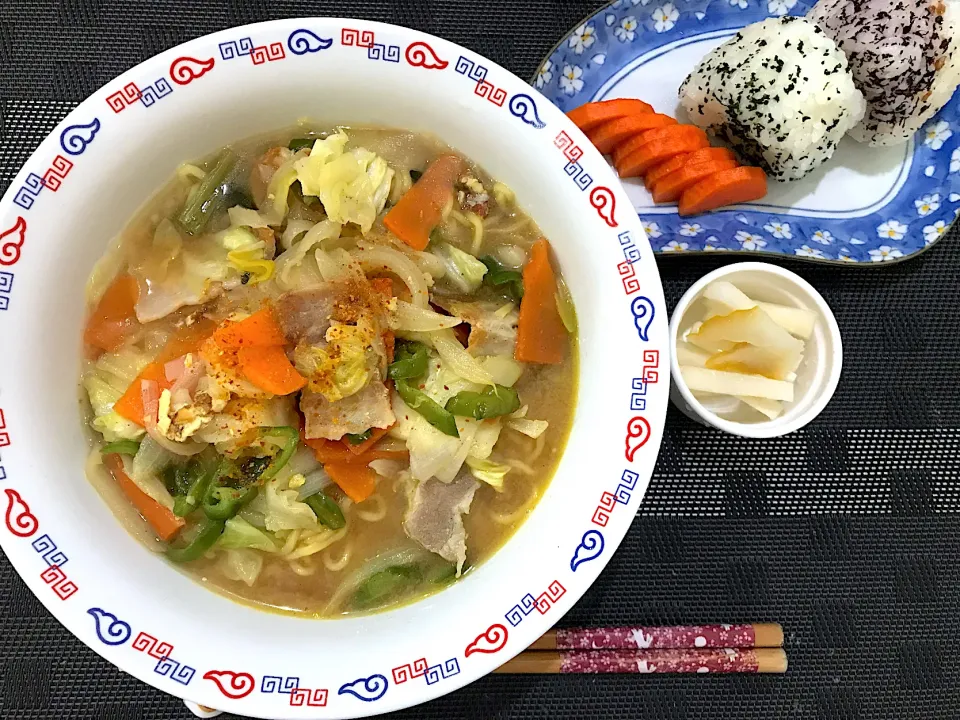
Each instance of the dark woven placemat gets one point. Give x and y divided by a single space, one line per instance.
846 533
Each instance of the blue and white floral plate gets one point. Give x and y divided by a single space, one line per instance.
864 205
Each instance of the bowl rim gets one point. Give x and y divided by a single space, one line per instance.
768 428
483 664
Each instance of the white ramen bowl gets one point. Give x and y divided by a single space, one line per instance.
112 153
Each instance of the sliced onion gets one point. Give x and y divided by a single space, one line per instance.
457 359
414 318
430 264
379 259
315 482
294 228
245 217
530 428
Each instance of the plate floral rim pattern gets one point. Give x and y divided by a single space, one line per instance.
917 216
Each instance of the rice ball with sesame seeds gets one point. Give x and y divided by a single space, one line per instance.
779 92
904 58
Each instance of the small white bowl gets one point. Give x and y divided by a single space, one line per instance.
818 374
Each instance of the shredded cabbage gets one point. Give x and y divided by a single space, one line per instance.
247 254
281 508
489 472
464 271
487 435
145 470
353 186
244 565
238 533
503 369
105 383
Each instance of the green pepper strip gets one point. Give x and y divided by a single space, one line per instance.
290 437
121 447
298 144
386 585
210 532
357 438
510 281
433 413
489 403
410 361
327 511
222 503
207 197
200 475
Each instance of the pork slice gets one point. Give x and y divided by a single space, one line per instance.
369 408
435 516
489 333
305 315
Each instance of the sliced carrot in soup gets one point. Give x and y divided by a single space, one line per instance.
541 335
114 318
420 209
269 369
161 519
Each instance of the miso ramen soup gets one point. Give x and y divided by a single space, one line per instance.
328 372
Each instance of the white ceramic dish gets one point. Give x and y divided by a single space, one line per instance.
107 157
818 374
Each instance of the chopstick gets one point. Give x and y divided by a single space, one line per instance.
745 660
694 637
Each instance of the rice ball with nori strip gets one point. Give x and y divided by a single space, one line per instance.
903 56
779 92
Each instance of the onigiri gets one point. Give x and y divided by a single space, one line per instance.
903 56
780 93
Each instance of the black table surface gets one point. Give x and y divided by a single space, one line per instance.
847 532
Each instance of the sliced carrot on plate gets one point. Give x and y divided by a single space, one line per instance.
592 114
670 188
727 187
420 209
677 133
678 161
637 163
611 133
